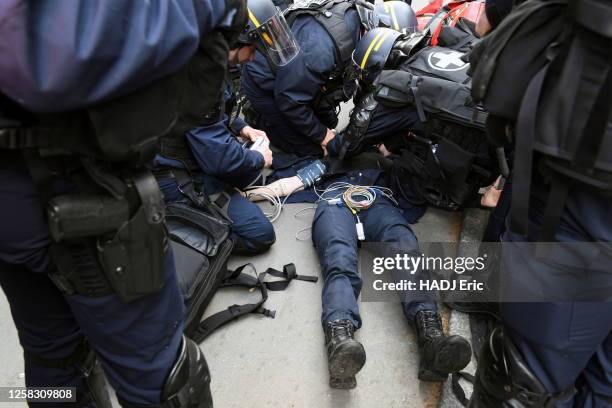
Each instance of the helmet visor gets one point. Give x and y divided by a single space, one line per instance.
276 40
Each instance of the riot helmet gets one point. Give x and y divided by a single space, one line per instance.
397 15
268 31
372 52
367 14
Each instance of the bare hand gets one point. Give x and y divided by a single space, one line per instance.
251 134
482 25
265 151
329 135
383 150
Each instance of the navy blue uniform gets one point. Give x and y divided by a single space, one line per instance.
335 238
222 163
56 56
565 343
284 99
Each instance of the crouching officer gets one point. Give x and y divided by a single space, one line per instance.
296 103
205 164
372 123
84 261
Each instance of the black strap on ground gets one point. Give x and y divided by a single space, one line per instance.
240 278
289 273
458 389
236 278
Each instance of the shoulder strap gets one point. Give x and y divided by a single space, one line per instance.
332 18
240 278
331 15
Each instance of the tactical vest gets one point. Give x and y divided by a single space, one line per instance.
127 129
340 84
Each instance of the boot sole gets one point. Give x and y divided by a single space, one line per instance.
347 361
343 383
455 354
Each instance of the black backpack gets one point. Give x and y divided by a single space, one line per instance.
559 106
201 245
447 164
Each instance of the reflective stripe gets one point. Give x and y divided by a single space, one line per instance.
367 54
394 17
382 40
253 19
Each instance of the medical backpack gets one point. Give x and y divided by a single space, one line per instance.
447 163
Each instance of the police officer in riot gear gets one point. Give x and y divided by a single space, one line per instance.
296 103
209 161
372 123
397 15
84 261
553 354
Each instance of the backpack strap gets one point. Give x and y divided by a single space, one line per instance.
525 134
564 177
240 278
289 273
235 278
332 18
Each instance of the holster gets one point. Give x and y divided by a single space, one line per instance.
109 240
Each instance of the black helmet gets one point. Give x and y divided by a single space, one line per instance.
367 14
372 52
268 31
397 15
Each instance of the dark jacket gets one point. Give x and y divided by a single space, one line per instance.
292 89
46 47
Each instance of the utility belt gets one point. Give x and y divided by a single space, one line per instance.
108 234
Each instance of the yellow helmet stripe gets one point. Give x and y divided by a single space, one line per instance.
256 23
253 19
382 40
369 50
394 17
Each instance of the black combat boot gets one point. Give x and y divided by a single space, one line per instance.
345 355
440 355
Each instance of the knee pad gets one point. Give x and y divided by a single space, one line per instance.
188 384
503 378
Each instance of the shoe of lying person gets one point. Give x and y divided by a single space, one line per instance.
440 355
346 356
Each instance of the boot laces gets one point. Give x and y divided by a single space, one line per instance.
341 329
431 323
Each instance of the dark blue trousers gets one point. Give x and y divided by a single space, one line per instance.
137 343
566 344
251 230
335 239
